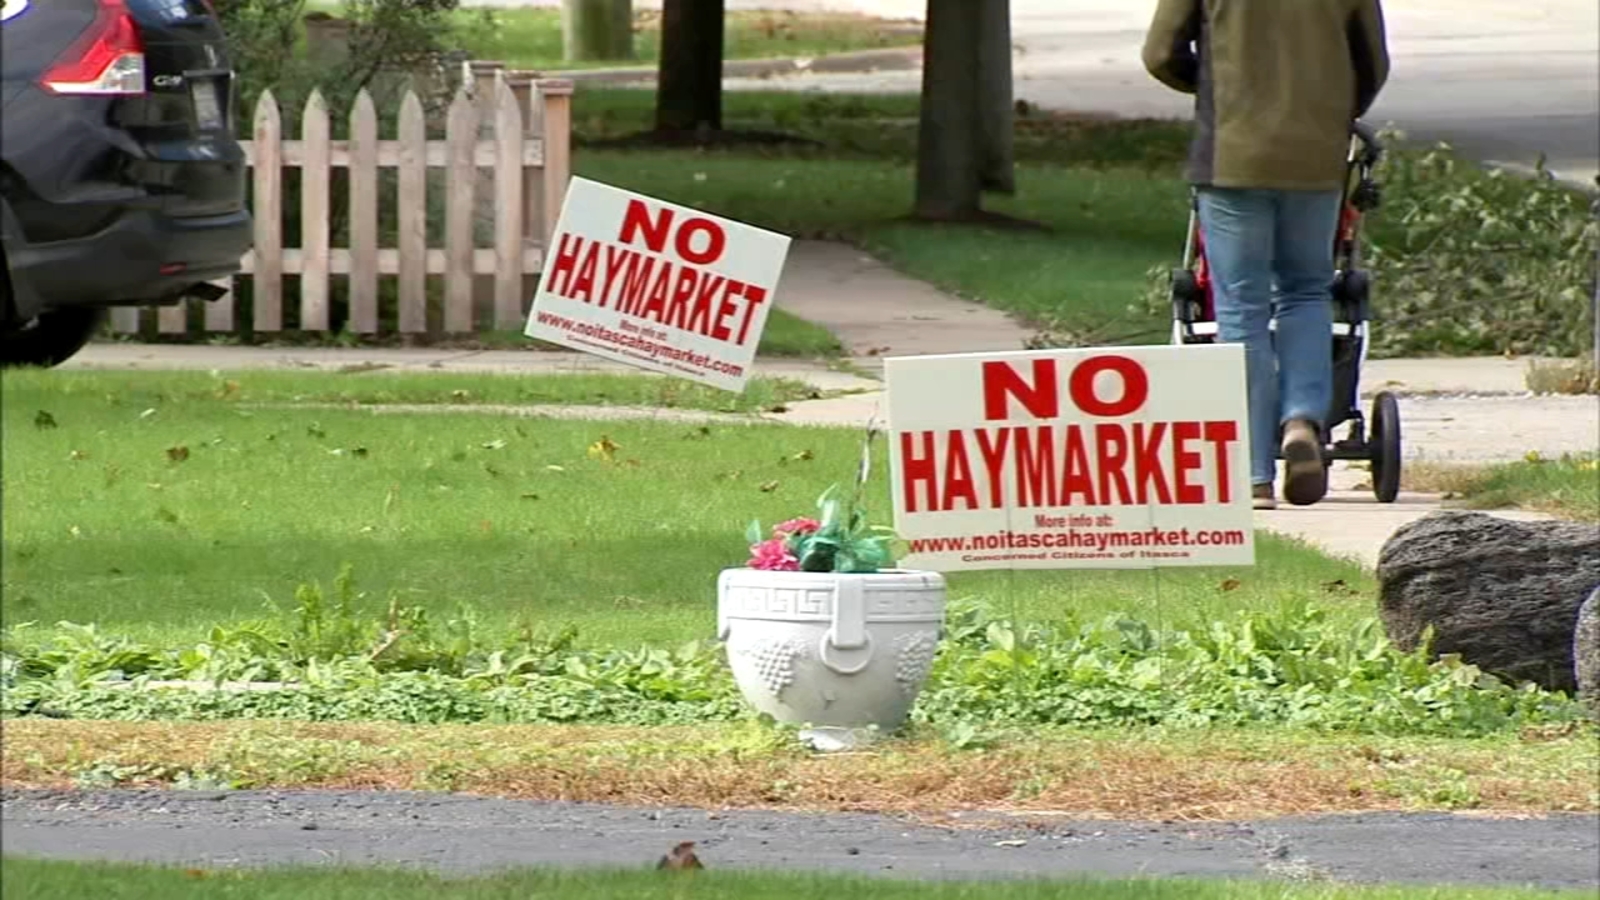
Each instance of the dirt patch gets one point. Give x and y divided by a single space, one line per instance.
1209 777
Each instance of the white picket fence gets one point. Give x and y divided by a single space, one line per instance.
507 148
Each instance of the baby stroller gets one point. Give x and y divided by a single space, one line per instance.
1194 322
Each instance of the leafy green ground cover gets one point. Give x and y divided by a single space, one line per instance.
28 879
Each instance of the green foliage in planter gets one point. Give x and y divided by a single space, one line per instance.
1288 669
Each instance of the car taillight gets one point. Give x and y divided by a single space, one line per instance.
106 59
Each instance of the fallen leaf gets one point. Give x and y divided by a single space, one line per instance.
228 389
496 444
803 456
77 454
530 496
461 396
777 409
196 873
315 430
1229 584
769 487
486 526
167 515
605 449
42 419
75 531
491 470
555 468
360 452
1011 843
147 413
177 453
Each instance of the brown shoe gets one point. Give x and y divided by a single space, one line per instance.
1305 478
1261 496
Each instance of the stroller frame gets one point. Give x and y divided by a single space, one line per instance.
1377 440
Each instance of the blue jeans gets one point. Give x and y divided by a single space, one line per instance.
1271 253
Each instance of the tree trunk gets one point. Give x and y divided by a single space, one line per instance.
996 100
689 85
949 183
596 29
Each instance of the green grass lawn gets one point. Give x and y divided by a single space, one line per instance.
1086 278
1568 486
383 385
786 336
531 38
161 504
1108 190
29 879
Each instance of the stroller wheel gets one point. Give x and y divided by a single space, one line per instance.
1384 447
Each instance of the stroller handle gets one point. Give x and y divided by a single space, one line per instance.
1371 146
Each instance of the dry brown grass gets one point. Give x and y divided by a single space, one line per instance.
1187 776
1453 481
1571 376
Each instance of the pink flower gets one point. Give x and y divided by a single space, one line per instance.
773 556
796 526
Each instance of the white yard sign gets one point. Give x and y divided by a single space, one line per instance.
1115 458
660 286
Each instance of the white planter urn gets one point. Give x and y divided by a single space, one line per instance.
828 650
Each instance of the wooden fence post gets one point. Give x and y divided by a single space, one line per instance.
315 155
532 107
556 97
461 179
364 215
413 211
267 209
509 244
486 73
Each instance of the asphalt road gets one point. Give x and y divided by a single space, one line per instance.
1500 80
461 834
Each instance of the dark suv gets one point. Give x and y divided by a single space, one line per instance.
121 183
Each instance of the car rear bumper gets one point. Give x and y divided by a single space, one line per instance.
123 264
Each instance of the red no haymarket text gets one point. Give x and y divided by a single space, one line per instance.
651 287
1106 463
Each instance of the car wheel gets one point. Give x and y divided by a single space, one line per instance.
51 339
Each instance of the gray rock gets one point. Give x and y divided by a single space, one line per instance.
1586 652
1503 595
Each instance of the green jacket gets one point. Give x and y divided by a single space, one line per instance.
1276 84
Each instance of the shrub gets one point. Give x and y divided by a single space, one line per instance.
1467 260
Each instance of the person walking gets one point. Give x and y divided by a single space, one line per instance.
1278 85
